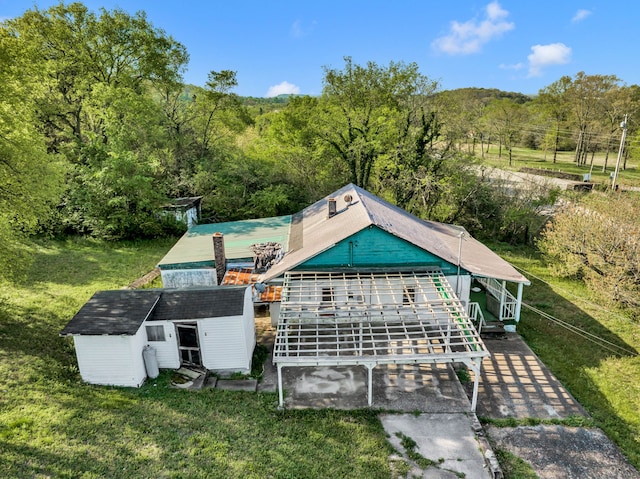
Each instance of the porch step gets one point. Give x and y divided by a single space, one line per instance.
492 329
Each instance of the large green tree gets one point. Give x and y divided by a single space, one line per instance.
365 109
596 239
30 180
95 72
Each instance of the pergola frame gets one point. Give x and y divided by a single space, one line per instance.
368 318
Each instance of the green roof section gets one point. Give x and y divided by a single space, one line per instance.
195 248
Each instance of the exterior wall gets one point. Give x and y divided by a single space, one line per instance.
372 292
185 278
111 360
188 216
274 313
167 350
192 217
465 287
227 343
249 325
373 247
223 344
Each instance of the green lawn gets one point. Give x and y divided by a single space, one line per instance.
524 157
53 425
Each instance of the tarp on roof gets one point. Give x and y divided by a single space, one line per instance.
358 209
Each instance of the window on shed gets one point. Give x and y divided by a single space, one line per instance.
155 333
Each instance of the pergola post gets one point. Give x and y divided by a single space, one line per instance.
370 384
475 367
280 394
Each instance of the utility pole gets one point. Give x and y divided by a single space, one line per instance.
623 125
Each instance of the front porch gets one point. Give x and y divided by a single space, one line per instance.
492 307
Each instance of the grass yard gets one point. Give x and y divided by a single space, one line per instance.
606 384
524 157
53 425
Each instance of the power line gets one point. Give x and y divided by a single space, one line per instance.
600 341
569 293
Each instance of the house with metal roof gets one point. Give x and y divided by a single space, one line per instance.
362 283
212 328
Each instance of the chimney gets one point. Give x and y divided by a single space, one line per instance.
219 256
331 203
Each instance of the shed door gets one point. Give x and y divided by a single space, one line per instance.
188 346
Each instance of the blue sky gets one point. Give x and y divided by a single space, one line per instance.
282 46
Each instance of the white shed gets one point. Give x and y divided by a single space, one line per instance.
208 327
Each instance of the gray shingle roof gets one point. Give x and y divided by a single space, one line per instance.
122 312
115 313
200 303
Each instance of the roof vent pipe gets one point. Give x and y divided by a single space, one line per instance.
331 203
219 256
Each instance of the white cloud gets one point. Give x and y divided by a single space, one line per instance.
284 88
546 55
580 15
515 66
299 30
296 29
468 37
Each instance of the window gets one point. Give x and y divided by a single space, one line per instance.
327 295
155 333
354 298
409 296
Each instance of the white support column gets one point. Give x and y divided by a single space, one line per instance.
370 389
280 394
519 302
475 367
502 298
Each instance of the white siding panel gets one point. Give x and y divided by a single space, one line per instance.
223 343
167 350
249 325
111 360
465 286
184 278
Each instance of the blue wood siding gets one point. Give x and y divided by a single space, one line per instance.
374 248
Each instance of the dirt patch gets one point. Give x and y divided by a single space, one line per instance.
558 452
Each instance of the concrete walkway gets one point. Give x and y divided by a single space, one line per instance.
450 441
515 383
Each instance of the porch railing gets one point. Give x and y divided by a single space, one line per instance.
508 303
475 313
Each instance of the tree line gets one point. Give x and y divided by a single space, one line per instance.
98 131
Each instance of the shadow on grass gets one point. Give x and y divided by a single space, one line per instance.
573 358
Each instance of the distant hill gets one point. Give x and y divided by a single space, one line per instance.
275 100
491 93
